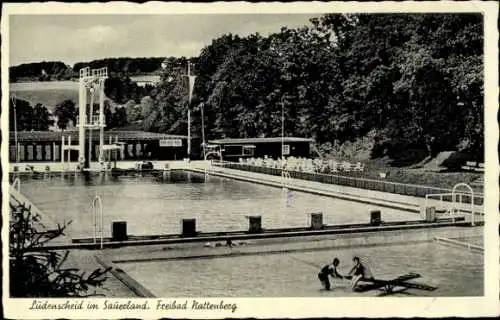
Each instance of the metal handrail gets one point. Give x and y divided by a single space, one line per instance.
454 194
97 210
469 246
458 185
286 178
338 177
17 184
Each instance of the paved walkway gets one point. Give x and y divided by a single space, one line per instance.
403 202
85 260
60 167
281 245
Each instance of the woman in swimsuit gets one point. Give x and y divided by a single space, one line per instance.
358 272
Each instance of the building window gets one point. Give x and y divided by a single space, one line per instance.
21 152
130 149
39 152
146 150
248 150
138 149
286 149
48 152
12 153
95 152
57 153
30 153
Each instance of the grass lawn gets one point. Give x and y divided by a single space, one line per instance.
440 179
48 94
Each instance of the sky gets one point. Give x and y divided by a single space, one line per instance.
80 38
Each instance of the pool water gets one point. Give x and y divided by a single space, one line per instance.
456 272
155 206
478 241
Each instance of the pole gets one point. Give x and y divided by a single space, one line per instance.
203 130
82 110
282 126
91 122
102 223
282 140
62 153
189 113
101 120
15 129
189 135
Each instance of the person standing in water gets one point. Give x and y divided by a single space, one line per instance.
327 271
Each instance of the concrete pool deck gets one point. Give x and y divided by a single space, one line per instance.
394 202
259 247
120 285
390 200
56 166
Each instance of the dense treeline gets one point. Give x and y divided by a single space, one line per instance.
47 71
24 117
40 71
122 89
399 81
129 66
410 81
28 118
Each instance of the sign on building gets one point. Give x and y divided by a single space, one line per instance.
171 143
286 149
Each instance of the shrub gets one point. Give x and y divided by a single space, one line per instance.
40 273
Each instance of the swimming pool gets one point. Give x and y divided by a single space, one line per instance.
295 274
155 206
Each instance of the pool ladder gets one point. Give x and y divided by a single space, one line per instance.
17 184
98 223
286 179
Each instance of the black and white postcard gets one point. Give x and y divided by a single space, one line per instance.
229 160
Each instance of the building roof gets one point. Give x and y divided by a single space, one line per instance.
27 136
260 140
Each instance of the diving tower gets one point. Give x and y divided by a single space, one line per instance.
91 82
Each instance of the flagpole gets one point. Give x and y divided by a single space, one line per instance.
282 140
15 128
203 130
189 112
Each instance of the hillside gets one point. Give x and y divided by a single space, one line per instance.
58 71
360 85
48 94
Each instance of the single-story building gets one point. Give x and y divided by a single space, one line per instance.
234 149
45 146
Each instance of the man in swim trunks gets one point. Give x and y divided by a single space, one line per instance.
329 270
358 272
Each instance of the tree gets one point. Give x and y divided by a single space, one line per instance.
41 71
41 118
23 113
34 272
65 112
119 117
115 116
340 79
133 111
